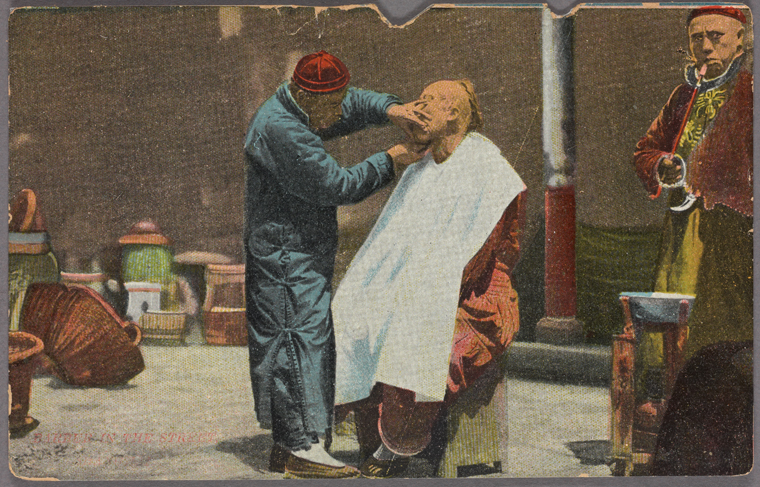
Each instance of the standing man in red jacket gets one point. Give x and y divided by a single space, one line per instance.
703 155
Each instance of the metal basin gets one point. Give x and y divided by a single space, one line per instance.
656 307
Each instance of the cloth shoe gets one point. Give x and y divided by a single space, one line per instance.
300 468
373 468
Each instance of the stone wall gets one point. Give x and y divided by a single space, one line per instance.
124 113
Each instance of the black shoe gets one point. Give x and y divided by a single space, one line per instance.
23 429
278 457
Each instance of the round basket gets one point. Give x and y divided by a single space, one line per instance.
80 330
94 280
30 243
226 268
22 210
225 326
224 309
22 346
163 325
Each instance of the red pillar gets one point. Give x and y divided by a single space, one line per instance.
559 326
560 251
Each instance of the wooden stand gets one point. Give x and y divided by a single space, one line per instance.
636 415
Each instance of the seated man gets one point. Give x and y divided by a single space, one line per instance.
427 302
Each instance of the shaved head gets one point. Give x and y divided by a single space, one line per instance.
449 106
460 96
449 109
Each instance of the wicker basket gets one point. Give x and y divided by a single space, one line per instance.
224 307
33 243
225 326
87 342
23 348
163 325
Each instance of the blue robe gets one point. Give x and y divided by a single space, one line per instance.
293 188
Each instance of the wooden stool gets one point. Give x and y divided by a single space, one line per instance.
476 427
469 438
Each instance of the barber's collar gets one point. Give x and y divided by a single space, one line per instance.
286 98
708 84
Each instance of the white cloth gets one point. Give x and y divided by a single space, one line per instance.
395 309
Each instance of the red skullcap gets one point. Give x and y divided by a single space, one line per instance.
321 72
732 12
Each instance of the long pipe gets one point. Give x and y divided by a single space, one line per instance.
701 75
689 200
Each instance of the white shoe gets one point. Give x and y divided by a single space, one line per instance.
318 454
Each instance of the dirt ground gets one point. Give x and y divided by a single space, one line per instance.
190 415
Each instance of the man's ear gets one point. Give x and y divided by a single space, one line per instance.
298 96
305 102
740 36
454 113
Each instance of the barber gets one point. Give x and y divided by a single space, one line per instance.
293 188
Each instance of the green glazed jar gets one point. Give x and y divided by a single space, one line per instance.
147 257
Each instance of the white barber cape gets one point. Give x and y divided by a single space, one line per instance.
395 309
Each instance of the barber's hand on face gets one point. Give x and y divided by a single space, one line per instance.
407 117
669 170
407 153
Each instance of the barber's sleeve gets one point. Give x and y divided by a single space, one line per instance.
304 169
361 109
